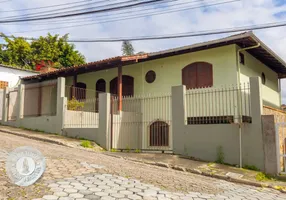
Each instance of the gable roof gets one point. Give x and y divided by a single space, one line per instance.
247 39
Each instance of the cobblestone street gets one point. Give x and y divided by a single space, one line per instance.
78 174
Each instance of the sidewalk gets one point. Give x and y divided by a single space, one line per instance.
46 137
225 172
171 161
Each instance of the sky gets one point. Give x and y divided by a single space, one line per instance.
235 14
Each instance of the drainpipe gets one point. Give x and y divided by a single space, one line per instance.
238 99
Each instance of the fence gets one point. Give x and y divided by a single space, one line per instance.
280 121
82 108
40 99
144 123
12 104
218 105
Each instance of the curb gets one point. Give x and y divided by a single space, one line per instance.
159 164
198 172
33 137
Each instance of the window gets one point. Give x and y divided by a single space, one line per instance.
127 86
80 91
241 58
150 76
197 75
3 84
263 78
159 134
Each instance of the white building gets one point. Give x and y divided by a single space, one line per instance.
10 76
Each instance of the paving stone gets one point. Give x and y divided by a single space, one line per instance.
85 192
134 196
50 197
126 192
117 195
70 190
57 189
66 186
66 198
92 197
95 189
101 194
76 195
107 198
63 183
61 194
78 187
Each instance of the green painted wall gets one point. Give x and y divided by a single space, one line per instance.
270 91
168 73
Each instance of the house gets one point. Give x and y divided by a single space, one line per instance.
226 61
10 76
201 101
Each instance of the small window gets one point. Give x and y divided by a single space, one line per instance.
263 78
150 76
241 58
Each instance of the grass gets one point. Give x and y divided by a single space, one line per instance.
85 144
137 151
113 150
260 176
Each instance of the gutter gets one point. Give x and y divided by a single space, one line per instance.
238 98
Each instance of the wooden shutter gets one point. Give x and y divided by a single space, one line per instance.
189 76
204 75
197 75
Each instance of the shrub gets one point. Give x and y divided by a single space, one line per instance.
86 144
262 177
74 104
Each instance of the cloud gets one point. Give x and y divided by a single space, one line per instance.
235 14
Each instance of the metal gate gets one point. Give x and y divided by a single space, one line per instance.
143 124
281 147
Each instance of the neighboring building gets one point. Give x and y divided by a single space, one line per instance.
221 62
10 76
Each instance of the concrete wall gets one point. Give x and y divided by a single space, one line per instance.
202 141
86 133
254 67
206 142
270 145
49 124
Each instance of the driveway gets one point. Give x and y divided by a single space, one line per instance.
78 174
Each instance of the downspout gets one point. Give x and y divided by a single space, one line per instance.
238 99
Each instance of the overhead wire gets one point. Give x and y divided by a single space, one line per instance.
107 15
81 13
172 36
128 18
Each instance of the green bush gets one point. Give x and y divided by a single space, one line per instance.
86 144
262 177
74 104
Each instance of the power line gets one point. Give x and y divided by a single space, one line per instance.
173 36
44 7
82 13
77 20
128 18
51 12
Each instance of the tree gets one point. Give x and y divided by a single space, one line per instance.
16 52
55 49
127 48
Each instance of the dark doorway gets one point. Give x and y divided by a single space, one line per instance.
127 86
100 86
159 134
